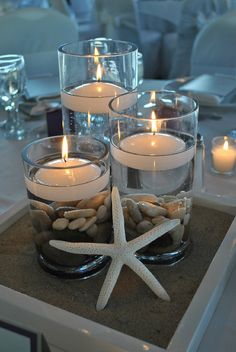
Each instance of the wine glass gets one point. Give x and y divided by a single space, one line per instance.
12 87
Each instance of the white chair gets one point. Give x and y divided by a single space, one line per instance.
122 20
214 48
36 33
164 16
195 15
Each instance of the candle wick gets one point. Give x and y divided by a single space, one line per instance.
64 159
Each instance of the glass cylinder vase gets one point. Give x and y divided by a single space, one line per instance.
92 72
67 181
153 136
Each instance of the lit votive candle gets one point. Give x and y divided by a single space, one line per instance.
223 155
64 179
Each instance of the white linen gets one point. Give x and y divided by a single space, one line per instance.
220 334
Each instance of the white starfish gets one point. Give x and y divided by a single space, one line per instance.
121 252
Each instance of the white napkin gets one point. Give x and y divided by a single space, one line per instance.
210 90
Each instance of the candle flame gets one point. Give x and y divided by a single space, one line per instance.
156 123
153 97
89 119
96 54
118 130
226 145
99 72
64 152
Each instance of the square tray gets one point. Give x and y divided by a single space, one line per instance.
64 330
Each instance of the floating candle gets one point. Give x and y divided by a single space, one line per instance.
67 179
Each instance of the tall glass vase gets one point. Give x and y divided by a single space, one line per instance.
92 72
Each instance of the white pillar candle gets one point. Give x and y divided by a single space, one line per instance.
223 157
152 151
93 97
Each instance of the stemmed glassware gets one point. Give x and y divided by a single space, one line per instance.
12 87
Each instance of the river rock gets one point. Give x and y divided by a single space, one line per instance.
128 220
61 210
35 204
134 210
92 230
95 202
144 197
102 212
144 226
151 210
79 213
104 232
76 224
60 224
89 222
107 201
159 220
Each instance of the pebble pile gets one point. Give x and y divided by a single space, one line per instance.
90 216
89 220
142 212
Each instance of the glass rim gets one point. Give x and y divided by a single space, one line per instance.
13 57
26 159
120 113
221 139
62 48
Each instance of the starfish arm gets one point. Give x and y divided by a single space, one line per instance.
83 248
109 283
153 234
118 218
141 270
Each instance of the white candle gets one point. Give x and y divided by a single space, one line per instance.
66 173
67 179
223 157
93 97
152 151
152 144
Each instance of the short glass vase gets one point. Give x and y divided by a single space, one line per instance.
66 192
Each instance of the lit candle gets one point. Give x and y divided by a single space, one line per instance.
67 179
93 97
152 150
223 156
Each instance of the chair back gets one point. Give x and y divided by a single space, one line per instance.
36 33
214 47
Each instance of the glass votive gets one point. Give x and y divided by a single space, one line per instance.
92 72
153 136
67 180
223 155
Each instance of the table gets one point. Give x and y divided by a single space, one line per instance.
13 201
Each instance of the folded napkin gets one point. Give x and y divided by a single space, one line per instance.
42 87
210 90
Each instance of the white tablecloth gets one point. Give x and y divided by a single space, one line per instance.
221 332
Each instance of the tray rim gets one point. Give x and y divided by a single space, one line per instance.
97 337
